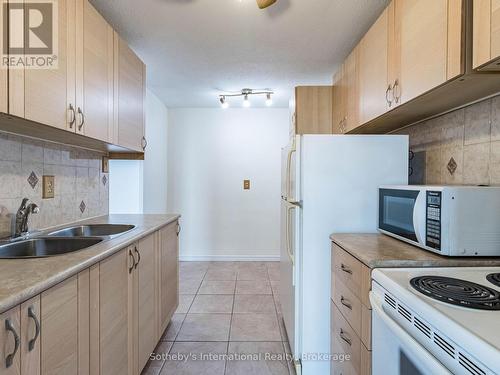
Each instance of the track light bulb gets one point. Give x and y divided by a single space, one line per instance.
269 100
223 103
246 102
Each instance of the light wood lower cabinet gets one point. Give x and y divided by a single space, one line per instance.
106 320
350 314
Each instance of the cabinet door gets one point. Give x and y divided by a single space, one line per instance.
3 78
129 100
7 342
113 317
30 336
338 104
486 32
313 108
421 37
48 93
169 273
351 91
94 74
373 65
147 332
59 336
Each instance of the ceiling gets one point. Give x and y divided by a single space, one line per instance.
197 49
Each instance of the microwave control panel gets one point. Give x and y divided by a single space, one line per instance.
433 220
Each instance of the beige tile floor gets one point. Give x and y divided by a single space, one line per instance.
228 323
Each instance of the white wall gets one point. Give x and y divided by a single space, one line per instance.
141 186
210 153
155 162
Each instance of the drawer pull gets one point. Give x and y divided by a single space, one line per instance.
345 302
138 257
344 337
9 360
32 315
131 268
346 269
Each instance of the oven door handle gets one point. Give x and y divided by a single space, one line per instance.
421 354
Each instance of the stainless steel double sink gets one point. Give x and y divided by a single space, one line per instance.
62 241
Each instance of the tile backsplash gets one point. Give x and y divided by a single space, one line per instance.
459 148
81 189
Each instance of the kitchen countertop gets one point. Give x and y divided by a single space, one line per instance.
21 279
377 250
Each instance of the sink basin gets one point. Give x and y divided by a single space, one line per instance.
93 230
45 247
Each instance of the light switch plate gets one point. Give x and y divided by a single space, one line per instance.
48 184
246 184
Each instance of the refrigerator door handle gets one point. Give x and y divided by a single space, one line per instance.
288 247
288 166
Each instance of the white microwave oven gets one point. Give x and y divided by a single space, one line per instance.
448 220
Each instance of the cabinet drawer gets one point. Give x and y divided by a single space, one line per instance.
348 304
350 271
345 341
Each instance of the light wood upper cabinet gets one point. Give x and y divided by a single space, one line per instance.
313 109
486 34
94 74
45 95
59 336
113 314
10 328
373 66
422 43
130 75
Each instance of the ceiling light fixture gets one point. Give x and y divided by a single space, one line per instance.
246 93
269 100
223 103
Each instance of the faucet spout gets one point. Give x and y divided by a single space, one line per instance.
22 216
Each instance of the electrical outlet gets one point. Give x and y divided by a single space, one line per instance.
48 190
246 184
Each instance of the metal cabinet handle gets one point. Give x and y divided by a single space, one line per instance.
73 117
345 302
344 337
10 358
178 231
346 269
138 257
82 116
396 94
389 89
131 268
144 143
32 315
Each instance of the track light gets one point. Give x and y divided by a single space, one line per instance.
269 100
246 102
223 98
223 103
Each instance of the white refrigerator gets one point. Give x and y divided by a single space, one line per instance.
329 184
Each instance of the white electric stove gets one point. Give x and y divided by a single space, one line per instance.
430 321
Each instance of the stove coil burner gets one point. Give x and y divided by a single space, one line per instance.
494 278
457 292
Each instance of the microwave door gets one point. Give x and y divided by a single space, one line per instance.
398 212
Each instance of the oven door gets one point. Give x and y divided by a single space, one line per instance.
401 213
395 352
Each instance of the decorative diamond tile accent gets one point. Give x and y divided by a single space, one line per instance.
452 166
82 207
33 179
104 180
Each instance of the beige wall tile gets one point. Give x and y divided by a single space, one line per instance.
495 119
478 123
433 167
476 164
453 129
457 153
495 163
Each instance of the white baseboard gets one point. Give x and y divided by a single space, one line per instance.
229 258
